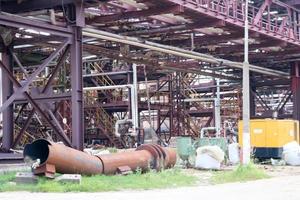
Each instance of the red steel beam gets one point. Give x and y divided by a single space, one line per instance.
234 15
136 14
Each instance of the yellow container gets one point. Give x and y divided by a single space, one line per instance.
268 135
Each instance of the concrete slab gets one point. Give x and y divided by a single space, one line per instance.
69 178
25 178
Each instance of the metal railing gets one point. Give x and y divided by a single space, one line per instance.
281 25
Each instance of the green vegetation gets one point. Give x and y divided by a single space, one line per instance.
240 174
112 150
165 179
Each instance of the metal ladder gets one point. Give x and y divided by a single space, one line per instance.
103 121
105 80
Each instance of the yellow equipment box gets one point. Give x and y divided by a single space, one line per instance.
268 136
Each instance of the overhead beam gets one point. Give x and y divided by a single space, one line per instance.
22 22
170 29
33 5
135 14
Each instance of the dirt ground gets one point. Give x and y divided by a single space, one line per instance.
281 171
273 171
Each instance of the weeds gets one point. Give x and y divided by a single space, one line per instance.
151 180
240 174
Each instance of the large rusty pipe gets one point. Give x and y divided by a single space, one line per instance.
65 159
70 161
133 159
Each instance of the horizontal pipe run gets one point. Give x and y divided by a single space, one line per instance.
71 161
109 87
107 73
177 51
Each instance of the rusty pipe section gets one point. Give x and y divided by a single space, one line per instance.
70 161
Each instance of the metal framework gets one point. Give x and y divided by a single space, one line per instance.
51 52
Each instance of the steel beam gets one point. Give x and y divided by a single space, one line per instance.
296 90
33 103
22 22
136 14
45 89
171 29
32 5
7 91
32 77
77 82
236 18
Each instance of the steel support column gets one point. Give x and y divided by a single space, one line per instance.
171 119
7 90
296 89
252 97
77 81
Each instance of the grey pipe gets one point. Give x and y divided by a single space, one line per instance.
177 51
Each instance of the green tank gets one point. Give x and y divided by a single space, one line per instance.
185 147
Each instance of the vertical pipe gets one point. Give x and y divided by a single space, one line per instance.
129 81
133 110
218 110
135 85
7 115
246 93
192 42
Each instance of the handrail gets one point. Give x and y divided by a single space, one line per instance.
235 10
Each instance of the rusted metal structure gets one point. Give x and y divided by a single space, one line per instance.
47 60
63 159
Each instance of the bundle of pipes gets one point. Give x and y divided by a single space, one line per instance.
70 161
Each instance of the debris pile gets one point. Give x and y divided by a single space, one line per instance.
291 153
209 157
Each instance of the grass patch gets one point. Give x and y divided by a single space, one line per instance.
240 174
100 183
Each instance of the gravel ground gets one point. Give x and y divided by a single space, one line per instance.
279 188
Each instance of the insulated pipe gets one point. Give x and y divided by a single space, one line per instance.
177 51
107 87
135 100
218 109
70 161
